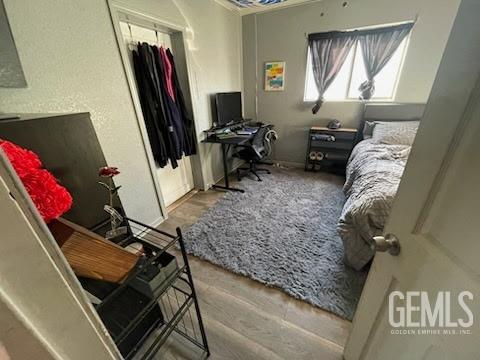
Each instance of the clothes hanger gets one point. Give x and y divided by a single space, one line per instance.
132 44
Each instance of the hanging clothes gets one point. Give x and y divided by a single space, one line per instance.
174 123
190 139
170 129
152 112
151 76
168 72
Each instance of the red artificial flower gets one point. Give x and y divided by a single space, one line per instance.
22 160
108 171
50 198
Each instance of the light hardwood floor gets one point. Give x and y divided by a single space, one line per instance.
247 320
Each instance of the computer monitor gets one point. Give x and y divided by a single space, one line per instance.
229 107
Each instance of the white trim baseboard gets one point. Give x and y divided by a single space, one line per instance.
157 222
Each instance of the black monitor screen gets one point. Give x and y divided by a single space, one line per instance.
229 107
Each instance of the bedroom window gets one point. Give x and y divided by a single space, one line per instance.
352 74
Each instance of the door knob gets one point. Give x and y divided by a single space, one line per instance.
386 243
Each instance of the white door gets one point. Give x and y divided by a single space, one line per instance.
174 183
436 217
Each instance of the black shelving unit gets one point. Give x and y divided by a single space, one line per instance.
329 149
148 321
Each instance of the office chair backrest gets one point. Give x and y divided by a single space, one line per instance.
258 141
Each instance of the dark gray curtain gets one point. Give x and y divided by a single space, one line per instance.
378 47
328 52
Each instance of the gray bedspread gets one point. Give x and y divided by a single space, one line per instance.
372 178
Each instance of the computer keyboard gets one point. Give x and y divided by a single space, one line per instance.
247 131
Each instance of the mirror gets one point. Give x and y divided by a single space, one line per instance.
11 73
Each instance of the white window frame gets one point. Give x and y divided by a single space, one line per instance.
346 97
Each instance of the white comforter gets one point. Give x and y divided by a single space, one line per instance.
373 174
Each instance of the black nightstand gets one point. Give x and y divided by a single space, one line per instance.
329 149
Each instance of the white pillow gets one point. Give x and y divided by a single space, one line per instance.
395 132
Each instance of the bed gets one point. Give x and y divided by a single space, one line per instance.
373 174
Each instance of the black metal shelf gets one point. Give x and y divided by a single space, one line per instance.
148 307
335 152
169 328
174 296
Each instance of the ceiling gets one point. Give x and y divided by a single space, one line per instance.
251 6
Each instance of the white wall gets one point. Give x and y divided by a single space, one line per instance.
281 35
71 62
17 341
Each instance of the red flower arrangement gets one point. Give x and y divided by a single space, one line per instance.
50 198
22 160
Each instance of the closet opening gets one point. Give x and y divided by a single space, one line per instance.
150 48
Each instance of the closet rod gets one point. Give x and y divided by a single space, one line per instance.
149 26
135 43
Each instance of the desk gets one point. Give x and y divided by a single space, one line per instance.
226 143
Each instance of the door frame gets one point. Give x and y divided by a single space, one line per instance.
52 266
120 13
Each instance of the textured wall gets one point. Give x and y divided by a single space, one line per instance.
17 339
71 62
11 73
281 35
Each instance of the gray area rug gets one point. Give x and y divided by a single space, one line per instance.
282 233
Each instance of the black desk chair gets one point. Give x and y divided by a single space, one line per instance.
252 152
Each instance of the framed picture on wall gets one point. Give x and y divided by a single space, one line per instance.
275 76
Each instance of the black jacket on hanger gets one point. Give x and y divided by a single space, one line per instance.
153 76
190 139
174 119
150 107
